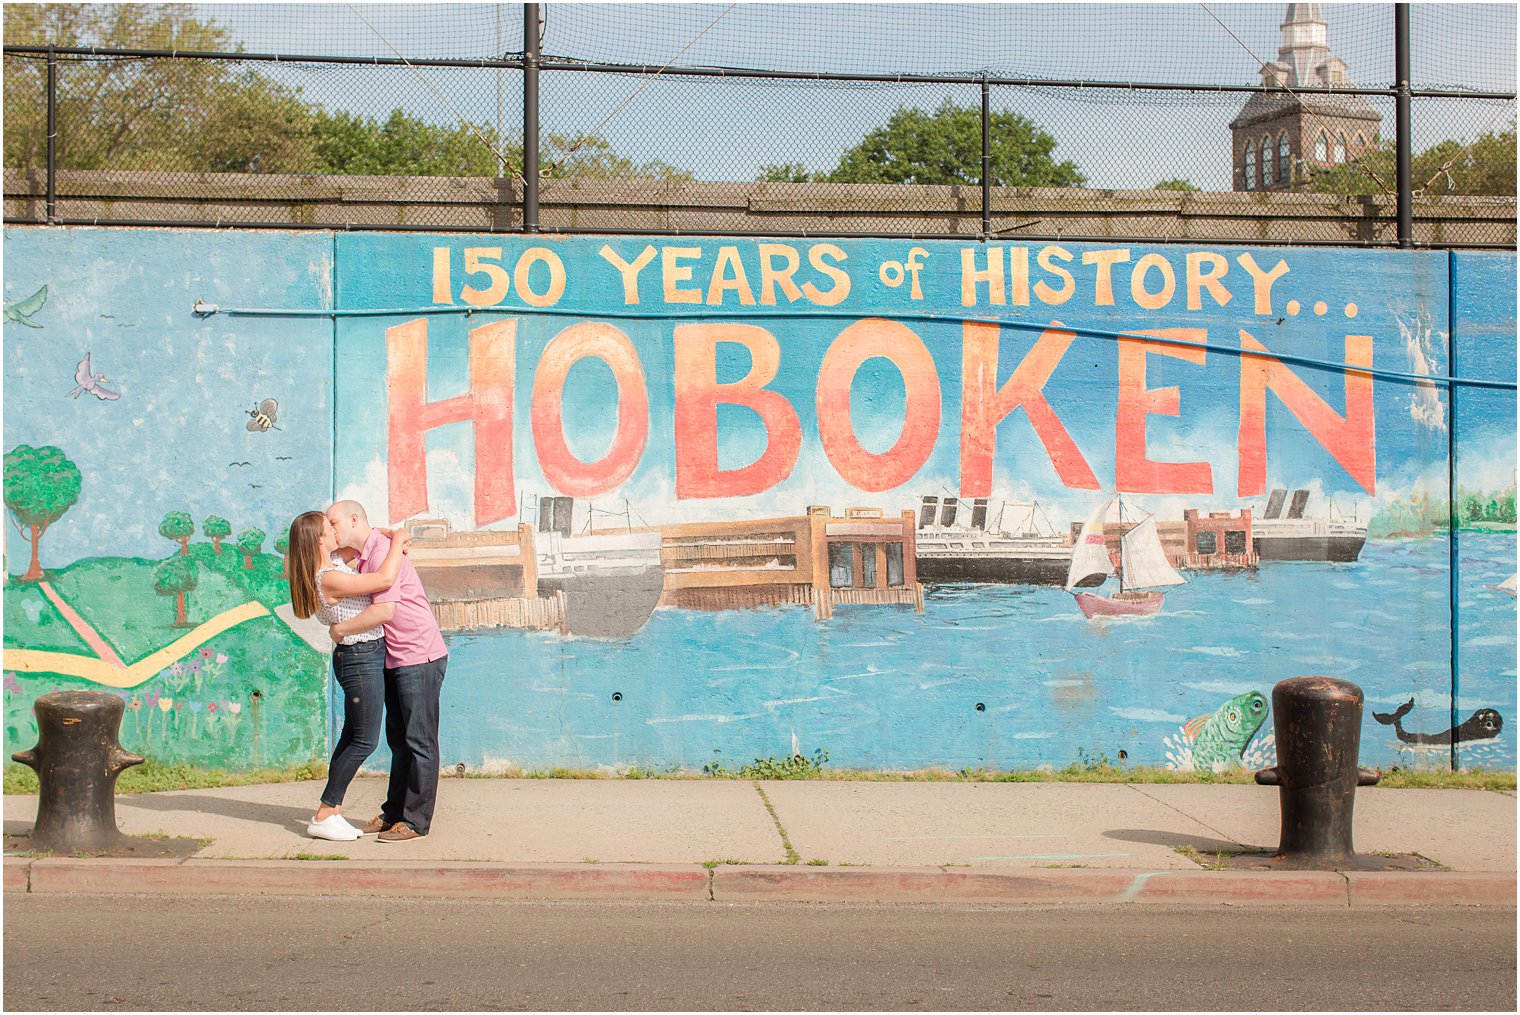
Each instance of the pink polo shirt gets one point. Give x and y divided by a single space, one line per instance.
412 636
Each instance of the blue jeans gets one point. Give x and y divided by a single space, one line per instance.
411 732
360 670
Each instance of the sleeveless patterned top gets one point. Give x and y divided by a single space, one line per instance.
346 608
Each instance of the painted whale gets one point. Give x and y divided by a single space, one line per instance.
1484 724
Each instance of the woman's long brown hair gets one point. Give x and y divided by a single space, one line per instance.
302 560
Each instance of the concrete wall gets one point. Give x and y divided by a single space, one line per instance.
719 209
744 433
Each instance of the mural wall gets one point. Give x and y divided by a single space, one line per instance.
682 502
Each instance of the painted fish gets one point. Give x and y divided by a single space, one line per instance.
1484 724
1220 738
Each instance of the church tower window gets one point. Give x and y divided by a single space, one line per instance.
1322 148
1340 147
1266 161
1284 155
1250 166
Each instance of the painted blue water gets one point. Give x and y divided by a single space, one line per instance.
885 687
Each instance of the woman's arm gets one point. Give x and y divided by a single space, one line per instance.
373 616
336 584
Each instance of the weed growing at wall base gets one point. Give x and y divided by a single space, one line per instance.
794 766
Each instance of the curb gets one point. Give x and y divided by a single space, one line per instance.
733 884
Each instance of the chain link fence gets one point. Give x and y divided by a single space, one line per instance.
1262 123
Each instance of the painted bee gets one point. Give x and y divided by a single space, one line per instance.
264 416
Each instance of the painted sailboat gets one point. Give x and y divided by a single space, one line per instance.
1507 586
1143 567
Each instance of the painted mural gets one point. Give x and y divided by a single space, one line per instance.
685 502
143 545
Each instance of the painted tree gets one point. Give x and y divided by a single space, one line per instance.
250 541
216 528
40 485
177 576
282 547
178 526
945 147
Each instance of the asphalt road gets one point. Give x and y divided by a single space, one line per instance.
94 952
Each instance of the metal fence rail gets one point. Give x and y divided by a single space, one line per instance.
164 133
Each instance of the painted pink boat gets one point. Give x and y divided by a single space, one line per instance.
1123 604
1142 565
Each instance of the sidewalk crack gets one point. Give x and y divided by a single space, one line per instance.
792 856
1185 814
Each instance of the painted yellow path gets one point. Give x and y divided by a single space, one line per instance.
26 660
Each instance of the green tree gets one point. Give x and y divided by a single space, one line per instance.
161 114
40 485
787 172
249 542
282 547
1472 507
405 145
216 528
177 576
1484 167
1176 184
178 526
946 147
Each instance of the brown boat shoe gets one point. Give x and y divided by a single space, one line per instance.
399 832
374 824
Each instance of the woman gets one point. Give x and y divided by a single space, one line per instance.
324 586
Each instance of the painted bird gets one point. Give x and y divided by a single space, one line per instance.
87 381
22 312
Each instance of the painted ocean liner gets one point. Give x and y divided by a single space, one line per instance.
1294 537
611 581
976 552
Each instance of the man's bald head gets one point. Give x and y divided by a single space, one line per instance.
350 523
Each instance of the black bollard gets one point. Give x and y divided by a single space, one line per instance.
77 759
1319 729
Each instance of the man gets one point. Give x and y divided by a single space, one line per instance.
415 660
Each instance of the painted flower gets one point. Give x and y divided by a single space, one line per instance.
152 698
12 684
221 659
165 704
135 704
234 707
177 669
180 704
195 666
211 706
205 653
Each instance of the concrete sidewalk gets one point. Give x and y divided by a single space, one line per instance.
816 841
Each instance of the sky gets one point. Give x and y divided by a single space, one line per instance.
726 130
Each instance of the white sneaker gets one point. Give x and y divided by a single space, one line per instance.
332 827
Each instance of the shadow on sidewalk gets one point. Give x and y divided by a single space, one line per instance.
1156 837
243 810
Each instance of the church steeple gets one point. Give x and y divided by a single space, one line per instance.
1279 139
1304 58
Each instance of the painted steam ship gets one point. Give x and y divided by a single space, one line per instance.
611 581
949 551
1294 537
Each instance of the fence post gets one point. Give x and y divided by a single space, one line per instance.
1402 140
530 118
986 160
52 136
